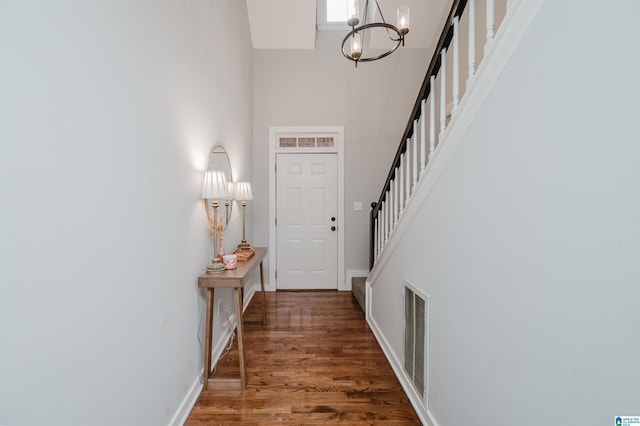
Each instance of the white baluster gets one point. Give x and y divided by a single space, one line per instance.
432 116
392 202
490 21
423 135
375 237
390 213
388 230
384 224
407 172
472 38
443 93
456 63
382 219
401 191
377 245
398 194
414 144
380 229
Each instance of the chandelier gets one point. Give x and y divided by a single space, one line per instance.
353 43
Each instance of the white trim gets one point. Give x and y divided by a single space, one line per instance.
507 39
274 132
190 399
187 404
352 273
185 407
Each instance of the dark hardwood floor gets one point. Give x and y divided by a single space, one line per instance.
315 362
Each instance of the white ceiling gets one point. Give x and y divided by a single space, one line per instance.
291 24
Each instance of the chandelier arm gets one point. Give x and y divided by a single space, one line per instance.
364 27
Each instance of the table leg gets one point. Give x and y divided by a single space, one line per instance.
264 297
208 337
243 373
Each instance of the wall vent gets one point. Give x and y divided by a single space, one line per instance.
416 338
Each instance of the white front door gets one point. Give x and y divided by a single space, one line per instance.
306 217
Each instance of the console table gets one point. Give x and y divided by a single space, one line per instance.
235 279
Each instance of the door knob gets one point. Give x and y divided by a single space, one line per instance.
333 228
333 219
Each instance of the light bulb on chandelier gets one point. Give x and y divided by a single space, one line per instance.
353 42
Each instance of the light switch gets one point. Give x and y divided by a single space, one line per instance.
357 205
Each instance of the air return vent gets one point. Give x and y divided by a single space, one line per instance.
416 338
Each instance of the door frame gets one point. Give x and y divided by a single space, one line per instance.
275 132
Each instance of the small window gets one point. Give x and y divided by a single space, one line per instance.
334 14
288 142
340 10
325 142
318 143
306 142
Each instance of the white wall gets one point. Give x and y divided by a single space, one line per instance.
529 243
108 112
322 88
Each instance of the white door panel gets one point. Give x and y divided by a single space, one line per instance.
306 203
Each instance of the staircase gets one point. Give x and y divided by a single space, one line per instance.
476 43
439 102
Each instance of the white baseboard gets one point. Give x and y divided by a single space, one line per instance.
181 415
416 401
194 392
187 404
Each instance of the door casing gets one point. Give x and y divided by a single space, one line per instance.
275 132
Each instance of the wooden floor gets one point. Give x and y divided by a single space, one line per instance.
315 362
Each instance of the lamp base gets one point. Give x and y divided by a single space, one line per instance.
244 245
244 251
215 267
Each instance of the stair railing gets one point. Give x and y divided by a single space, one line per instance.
419 141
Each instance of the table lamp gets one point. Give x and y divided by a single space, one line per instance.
243 193
214 188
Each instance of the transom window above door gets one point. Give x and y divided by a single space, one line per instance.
306 142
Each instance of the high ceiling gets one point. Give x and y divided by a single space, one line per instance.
291 24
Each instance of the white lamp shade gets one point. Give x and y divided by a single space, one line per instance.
243 191
215 186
